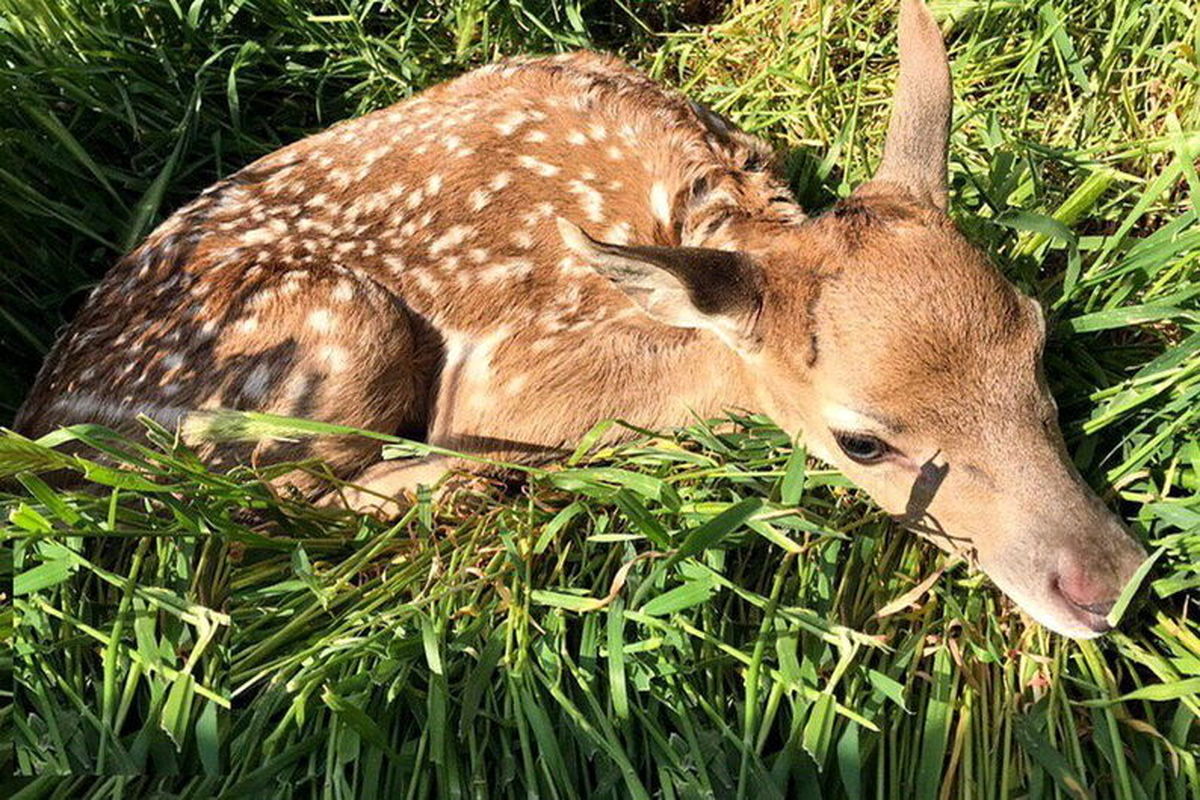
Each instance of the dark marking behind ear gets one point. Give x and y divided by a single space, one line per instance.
810 313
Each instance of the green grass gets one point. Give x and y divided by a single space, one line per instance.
695 614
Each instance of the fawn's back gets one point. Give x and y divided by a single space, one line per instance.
342 277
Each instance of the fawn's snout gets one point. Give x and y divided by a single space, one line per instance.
1066 574
1063 556
1088 591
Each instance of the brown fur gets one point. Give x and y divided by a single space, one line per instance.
437 213
423 270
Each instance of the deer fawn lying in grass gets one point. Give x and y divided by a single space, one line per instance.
425 270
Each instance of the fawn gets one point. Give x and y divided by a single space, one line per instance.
498 263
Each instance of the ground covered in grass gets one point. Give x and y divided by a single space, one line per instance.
697 614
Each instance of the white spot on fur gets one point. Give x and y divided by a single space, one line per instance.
660 203
247 325
262 298
500 180
590 200
321 320
336 358
453 237
510 269
433 185
479 199
516 384
371 156
537 166
320 226
263 235
343 291
577 138
425 281
620 233
573 266
508 125
535 136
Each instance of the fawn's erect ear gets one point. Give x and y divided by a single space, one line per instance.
688 287
914 155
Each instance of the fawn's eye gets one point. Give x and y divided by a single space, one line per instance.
862 447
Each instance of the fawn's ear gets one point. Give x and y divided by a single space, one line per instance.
687 287
918 137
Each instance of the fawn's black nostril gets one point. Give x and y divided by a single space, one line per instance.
1099 609
1096 611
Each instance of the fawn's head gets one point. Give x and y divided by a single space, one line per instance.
906 360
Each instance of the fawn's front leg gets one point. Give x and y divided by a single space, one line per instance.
387 488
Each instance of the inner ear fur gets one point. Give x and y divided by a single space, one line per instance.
690 287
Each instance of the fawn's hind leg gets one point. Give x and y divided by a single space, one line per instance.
338 349
318 342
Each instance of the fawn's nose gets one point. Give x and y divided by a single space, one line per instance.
1089 591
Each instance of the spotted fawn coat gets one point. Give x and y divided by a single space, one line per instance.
404 271
500 262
